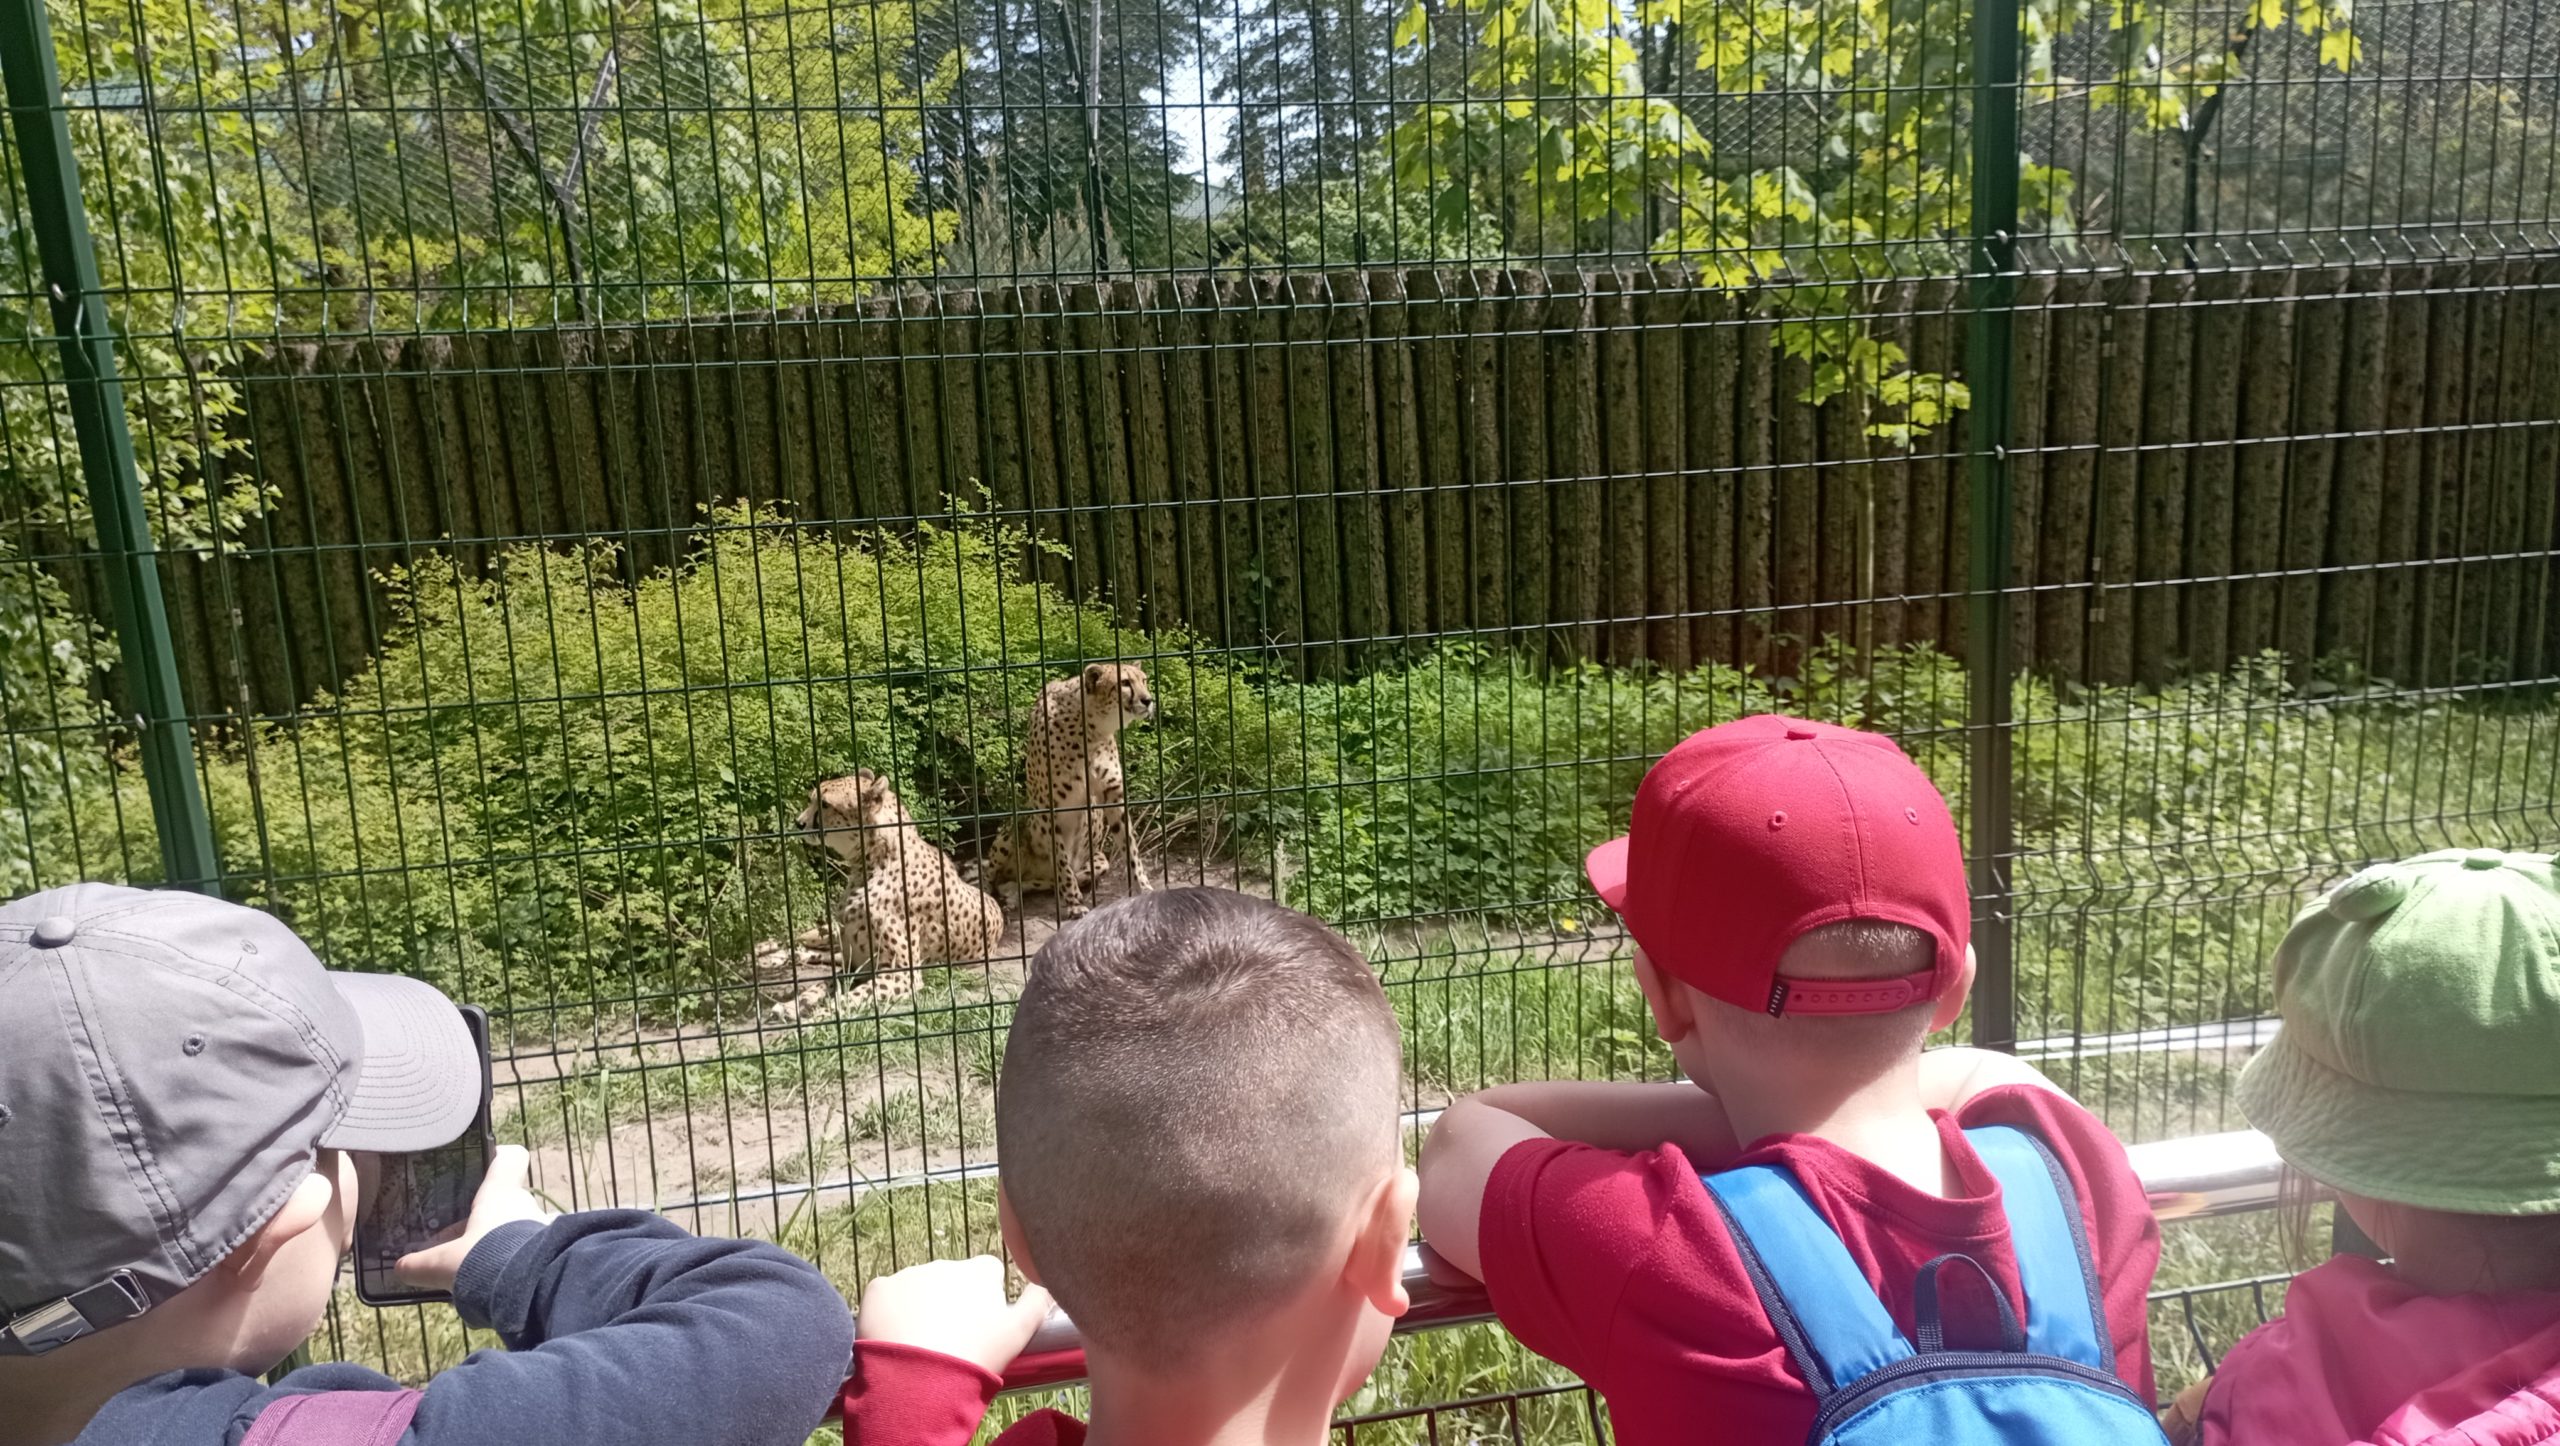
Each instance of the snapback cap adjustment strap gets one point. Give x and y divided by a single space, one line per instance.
1851 996
59 1322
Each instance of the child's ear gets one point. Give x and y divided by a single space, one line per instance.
1012 1230
1951 1004
1376 1266
1674 1011
302 1211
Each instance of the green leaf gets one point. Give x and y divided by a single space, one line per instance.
1411 29
1555 152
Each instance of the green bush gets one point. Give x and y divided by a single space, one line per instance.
1472 779
2164 838
65 812
556 785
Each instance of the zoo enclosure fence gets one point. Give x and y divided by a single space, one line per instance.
457 504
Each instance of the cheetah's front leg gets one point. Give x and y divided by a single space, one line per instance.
1075 832
1071 900
1115 818
1137 865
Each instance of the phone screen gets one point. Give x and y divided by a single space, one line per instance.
419 1196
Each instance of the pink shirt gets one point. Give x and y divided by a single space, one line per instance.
2361 1359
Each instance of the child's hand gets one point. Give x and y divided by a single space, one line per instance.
502 1199
955 1307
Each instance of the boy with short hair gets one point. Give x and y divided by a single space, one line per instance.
1796 892
189 1109
1198 1128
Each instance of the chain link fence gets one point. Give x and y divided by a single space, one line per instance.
472 467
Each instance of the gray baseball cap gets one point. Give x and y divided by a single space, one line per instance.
168 1063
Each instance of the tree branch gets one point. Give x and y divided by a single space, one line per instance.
1088 60
2206 115
590 118
522 139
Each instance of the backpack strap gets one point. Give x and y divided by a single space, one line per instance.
1835 1329
1929 1314
2066 1312
334 1418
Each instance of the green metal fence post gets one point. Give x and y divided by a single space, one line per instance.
43 134
1987 374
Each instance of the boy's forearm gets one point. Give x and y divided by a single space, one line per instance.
1616 1116
1476 1134
623 1328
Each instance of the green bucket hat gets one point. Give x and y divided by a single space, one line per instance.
2419 1060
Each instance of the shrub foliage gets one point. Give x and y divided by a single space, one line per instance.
560 785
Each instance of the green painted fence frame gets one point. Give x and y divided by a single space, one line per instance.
128 555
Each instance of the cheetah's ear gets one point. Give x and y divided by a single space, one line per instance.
1093 677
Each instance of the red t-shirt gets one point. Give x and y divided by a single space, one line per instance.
909 1396
1619 1267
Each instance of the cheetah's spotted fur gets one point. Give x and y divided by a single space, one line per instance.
906 906
1073 788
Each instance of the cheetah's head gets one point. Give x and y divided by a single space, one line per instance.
1117 693
842 810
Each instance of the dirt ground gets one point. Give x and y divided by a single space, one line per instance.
733 1165
920 1109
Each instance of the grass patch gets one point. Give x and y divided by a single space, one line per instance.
2213 1289
951 1035
1474 1018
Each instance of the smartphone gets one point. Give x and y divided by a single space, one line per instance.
420 1196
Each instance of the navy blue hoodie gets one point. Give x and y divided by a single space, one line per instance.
621 1329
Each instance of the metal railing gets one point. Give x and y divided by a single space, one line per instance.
2186 1179
2207 1320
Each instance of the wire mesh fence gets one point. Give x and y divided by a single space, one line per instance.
562 436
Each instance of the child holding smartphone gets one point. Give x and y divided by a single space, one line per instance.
191 1109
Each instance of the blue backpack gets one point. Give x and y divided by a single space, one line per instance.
2052 1383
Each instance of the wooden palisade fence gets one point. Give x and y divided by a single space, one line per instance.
1614 465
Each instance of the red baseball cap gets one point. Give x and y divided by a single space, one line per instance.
1750 833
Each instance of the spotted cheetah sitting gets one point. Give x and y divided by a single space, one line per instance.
1073 786
906 906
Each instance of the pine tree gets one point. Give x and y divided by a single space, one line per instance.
1310 80
1057 115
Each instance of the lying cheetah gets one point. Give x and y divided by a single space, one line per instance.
906 906
1071 779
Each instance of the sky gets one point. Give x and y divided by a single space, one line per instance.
1200 122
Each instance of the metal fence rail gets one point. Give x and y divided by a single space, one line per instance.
2196 1178
467 470
2210 1318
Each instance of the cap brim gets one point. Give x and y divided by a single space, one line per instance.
2472 1154
1606 867
419 1085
